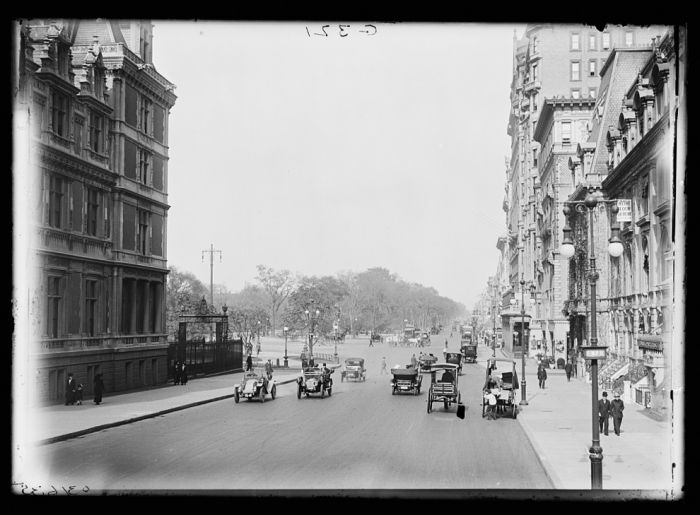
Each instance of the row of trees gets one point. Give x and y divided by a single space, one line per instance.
373 300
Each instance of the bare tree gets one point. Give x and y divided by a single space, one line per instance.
278 285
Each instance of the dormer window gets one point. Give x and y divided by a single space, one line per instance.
59 113
96 132
146 115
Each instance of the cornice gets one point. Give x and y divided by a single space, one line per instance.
65 161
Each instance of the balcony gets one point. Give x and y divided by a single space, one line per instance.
533 85
139 259
63 241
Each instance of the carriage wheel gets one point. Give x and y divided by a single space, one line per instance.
430 403
274 391
483 408
515 411
236 396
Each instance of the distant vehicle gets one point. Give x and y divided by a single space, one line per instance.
466 335
454 358
255 385
426 361
354 369
376 337
405 379
314 381
469 352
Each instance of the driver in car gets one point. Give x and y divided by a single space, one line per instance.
447 377
326 373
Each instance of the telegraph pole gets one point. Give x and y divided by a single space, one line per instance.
211 280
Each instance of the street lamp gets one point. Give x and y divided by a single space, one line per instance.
336 330
592 352
523 395
311 317
286 363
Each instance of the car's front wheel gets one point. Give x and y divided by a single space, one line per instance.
274 391
236 396
299 392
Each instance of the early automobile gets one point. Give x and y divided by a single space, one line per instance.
502 381
425 361
443 385
255 385
314 381
454 358
405 379
469 352
354 369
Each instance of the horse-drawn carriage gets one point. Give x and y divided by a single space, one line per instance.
443 385
502 382
405 379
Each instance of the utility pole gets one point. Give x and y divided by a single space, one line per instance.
211 281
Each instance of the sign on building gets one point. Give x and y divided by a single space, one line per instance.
625 210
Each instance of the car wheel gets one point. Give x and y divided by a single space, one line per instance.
430 405
274 391
236 396
323 392
299 392
447 405
515 411
393 391
261 394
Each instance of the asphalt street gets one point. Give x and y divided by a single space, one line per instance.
362 437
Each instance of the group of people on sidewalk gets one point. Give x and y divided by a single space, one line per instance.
610 409
180 373
74 390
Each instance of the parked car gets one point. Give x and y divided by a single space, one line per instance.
255 385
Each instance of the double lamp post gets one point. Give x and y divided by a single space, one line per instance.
593 352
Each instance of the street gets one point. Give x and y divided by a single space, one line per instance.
361 437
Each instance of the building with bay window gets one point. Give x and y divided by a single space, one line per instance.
98 152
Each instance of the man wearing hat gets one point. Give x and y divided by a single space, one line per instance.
604 413
617 406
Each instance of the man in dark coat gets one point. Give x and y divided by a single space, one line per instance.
70 389
249 363
617 406
604 413
98 388
542 375
568 368
183 373
177 373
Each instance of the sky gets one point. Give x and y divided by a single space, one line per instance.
379 145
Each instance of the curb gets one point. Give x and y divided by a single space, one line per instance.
546 466
75 434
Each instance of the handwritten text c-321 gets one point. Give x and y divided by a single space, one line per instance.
343 30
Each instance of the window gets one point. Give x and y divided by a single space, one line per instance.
575 93
629 38
144 164
142 236
59 110
56 187
78 131
575 70
130 110
54 304
606 40
534 44
534 157
534 72
591 41
592 68
146 114
96 132
592 92
566 132
90 306
93 209
575 41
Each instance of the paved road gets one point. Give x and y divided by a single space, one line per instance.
360 437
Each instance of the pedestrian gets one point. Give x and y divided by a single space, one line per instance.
568 368
604 413
183 374
176 375
542 375
414 361
70 389
617 406
384 371
491 404
98 388
79 394
249 363
257 349
268 369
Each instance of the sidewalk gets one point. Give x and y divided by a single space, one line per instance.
558 422
58 422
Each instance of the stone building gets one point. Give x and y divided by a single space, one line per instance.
563 125
98 158
549 61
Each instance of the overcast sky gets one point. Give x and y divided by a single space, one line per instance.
321 154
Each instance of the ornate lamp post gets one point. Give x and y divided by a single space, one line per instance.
286 363
311 316
592 351
523 395
336 328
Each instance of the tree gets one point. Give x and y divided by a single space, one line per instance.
278 285
246 309
183 295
